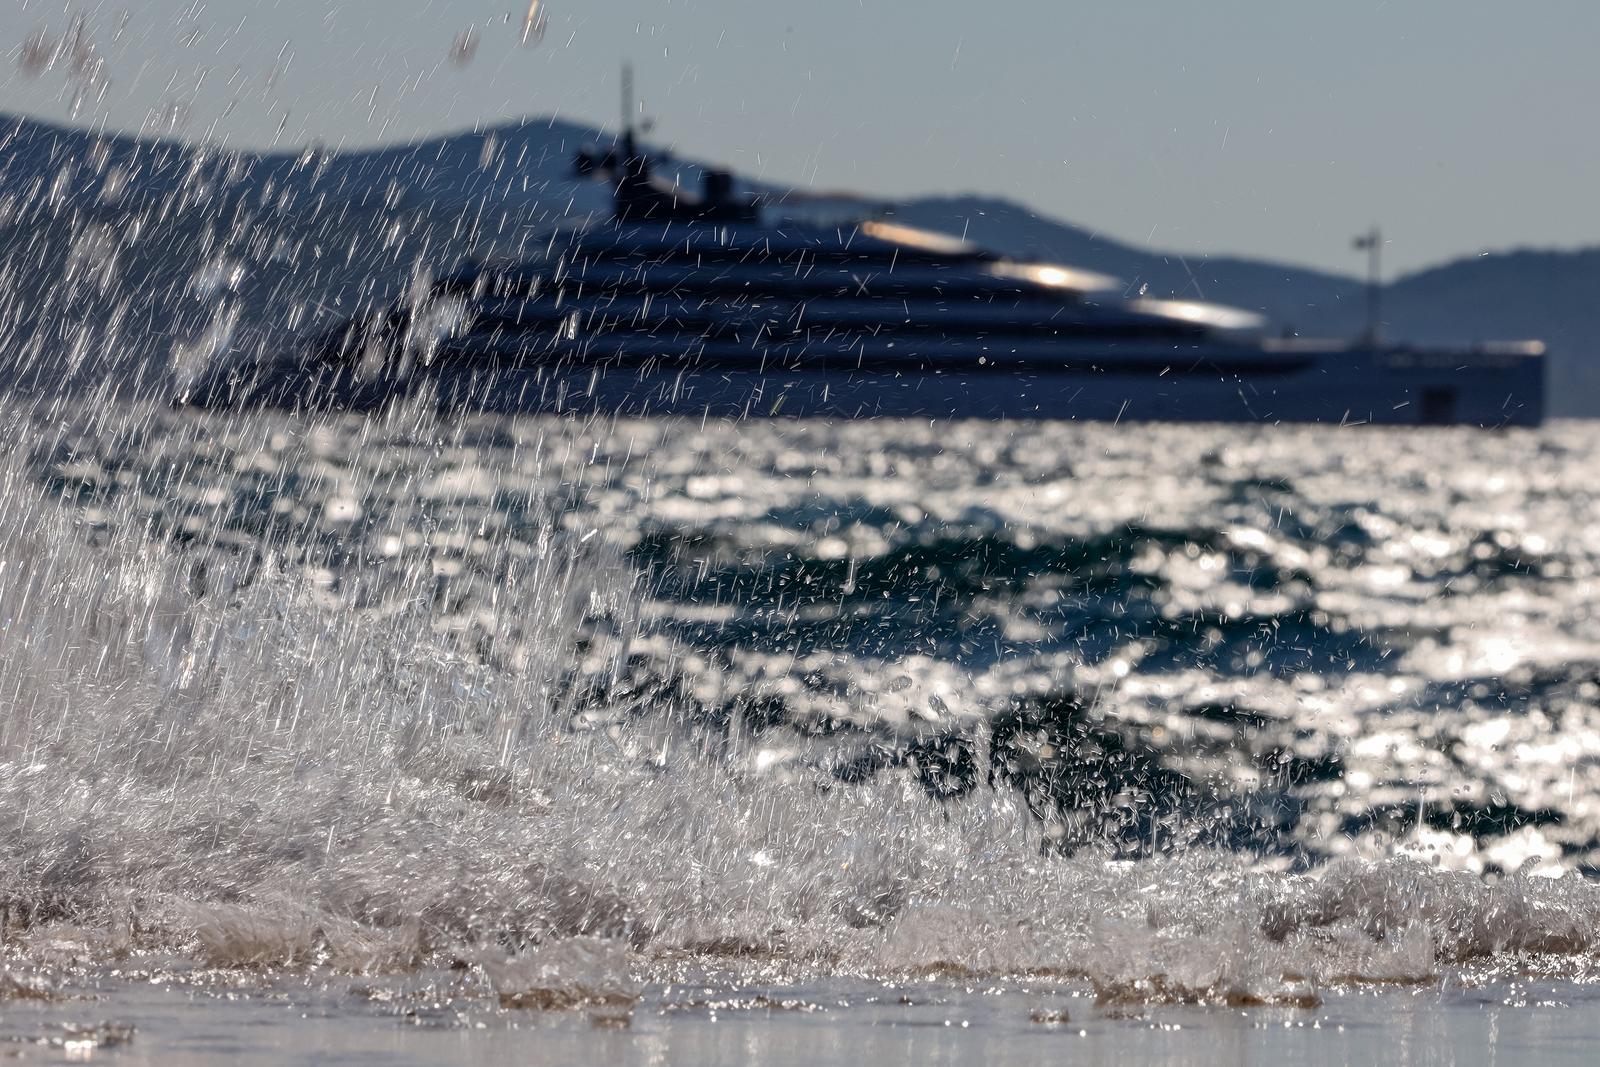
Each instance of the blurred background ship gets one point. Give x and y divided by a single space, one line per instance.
120 260
720 305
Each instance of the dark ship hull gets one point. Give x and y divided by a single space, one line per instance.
1486 387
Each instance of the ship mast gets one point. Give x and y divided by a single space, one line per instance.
627 112
1371 242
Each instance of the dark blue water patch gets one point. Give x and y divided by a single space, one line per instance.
820 516
1296 640
949 596
1483 821
1548 689
1115 786
703 567
1230 715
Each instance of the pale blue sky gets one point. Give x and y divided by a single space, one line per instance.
1264 127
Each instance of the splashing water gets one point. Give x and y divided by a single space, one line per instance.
662 719
389 696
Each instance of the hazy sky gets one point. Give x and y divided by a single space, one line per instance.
1264 127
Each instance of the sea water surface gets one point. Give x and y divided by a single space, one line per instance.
410 739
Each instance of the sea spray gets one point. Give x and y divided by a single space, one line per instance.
359 697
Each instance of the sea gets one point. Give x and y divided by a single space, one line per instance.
423 739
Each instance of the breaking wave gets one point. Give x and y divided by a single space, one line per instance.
391 695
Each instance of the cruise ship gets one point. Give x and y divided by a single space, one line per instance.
714 304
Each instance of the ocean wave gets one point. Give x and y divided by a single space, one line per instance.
431 721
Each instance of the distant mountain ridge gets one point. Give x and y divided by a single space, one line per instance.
1552 296
138 220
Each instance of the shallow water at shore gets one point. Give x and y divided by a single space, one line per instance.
204 1017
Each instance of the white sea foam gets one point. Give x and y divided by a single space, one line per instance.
566 973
